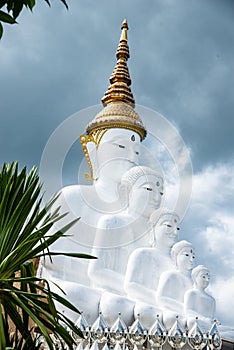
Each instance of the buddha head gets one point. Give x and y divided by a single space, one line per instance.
201 277
165 228
117 152
183 255
111 153
143 188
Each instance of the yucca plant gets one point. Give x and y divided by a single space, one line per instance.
26 301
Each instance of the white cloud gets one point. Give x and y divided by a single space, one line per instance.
224 300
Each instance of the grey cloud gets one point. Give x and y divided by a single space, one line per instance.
56 62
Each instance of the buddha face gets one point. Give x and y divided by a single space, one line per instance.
146 194
117 152
202 279
166 230
185 259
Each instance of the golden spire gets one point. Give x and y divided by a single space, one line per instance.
118 102
119 90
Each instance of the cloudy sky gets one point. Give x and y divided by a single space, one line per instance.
57 62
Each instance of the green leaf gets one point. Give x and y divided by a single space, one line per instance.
25 234
73 255
30 3
1 30
18 5
64 2
2 335
47 1
4 17
2 3
10 5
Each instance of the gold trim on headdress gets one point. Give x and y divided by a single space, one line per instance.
84 139
115 115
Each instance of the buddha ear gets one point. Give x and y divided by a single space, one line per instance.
89 148
92 154
123 195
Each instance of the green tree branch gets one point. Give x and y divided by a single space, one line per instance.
11 9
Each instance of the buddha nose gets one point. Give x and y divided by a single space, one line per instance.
174 231
133 156
157 195
191 258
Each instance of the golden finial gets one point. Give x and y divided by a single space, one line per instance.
120 80
124 28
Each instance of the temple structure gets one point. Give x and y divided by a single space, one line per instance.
141 281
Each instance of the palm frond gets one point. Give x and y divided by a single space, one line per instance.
26 301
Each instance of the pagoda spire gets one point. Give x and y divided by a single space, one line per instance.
119 90
118 101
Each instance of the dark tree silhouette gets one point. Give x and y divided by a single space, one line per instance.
11 9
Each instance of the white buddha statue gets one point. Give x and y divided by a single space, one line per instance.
71 273
111 147
118 235
174 283
198 303
146 264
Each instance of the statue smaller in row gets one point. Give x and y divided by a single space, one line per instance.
140 269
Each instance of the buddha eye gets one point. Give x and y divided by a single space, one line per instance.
149 189
121 146
178 228
137 152
167 225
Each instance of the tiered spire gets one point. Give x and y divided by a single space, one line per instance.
120 80
118 101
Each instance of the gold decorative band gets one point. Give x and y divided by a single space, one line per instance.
84 139
98 130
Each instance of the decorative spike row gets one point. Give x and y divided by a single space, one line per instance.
137 332
118 332
118 337
157 334
83 326
177 335
196 338
214 339
99 330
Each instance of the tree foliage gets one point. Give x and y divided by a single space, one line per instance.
26 301
11 9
